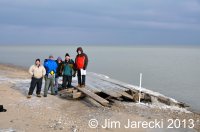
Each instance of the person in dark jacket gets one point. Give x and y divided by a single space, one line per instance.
81 63
58 73
68 71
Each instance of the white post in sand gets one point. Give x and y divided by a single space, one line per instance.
140 86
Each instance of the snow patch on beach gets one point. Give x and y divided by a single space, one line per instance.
21 84
13 80
163 106
8 130
100 75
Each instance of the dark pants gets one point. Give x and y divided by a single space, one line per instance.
67 81
34 82
81 78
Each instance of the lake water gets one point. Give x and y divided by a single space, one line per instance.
172 71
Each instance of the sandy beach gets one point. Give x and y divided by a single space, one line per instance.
56 113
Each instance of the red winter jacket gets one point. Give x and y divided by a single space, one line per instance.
81 60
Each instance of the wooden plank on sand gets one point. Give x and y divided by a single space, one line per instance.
126 95
94 96
66 91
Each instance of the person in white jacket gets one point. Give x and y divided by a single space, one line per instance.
37 72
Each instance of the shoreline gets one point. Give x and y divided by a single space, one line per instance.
52 110
24 68
120 45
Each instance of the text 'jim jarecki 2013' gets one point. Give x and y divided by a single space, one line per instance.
170 123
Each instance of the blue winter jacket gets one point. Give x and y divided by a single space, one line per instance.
50 65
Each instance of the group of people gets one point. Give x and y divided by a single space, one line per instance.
53 69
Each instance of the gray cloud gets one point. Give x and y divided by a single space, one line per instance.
100 21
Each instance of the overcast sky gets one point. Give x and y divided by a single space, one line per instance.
100 22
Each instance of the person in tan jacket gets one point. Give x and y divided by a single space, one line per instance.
37 72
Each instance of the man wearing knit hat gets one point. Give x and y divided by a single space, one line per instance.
68 71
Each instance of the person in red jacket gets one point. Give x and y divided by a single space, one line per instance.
81 63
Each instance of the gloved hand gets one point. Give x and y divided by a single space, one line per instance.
74 75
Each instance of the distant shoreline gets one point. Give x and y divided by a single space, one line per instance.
106 45
24 68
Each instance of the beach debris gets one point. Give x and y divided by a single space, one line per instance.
105 91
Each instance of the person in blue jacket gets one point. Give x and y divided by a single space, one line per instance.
51 67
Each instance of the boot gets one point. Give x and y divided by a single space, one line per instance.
79 86
38 95
29 96
82 86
